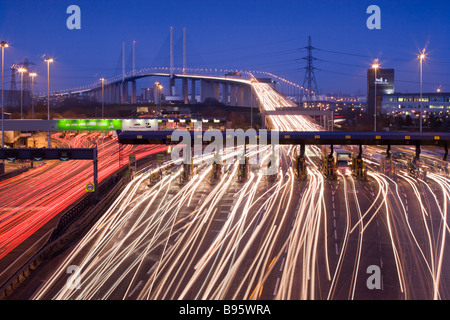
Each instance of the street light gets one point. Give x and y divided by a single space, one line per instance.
21 71
48 60
375 67
103 99
3 45
421 57
32 75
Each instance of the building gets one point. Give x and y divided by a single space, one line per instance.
437 103
147 95
384 86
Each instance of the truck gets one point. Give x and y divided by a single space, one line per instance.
342 160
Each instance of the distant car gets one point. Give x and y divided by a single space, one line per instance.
398 155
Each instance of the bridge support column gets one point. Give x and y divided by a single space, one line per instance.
171 86
133 92
216 92
233 102
225 93
206 90
247 96
240 96
193 100
185 90
117 93
106 93
111 93
124 92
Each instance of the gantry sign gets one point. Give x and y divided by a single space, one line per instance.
302 138
62 154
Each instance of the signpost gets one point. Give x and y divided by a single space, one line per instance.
90 187
140 124
131 159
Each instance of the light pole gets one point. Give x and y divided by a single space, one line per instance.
32 75
48 60
103 99
375 67
21 71
421 58
4 45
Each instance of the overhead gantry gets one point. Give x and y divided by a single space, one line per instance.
302 139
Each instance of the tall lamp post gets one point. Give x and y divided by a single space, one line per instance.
375 67
421 58
48 60
3 45
21 71
103 98
32 75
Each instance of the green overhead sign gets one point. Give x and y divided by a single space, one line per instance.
89 125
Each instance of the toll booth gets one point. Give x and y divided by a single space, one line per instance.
417 168
359 169
243 169
329 167
411 165
387 167
217 171
187 172
422 172
156 174
300 167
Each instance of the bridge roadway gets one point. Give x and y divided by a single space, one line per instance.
233 91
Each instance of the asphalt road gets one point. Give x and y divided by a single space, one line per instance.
263 238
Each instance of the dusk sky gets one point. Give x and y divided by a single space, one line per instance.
251 35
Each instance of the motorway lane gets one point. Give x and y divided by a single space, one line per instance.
359 241
202 217
219 252
33 198
208 250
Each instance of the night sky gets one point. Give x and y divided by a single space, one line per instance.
252 35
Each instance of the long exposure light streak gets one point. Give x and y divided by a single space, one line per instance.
264 237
